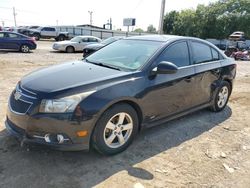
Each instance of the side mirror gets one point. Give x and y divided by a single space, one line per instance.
165 67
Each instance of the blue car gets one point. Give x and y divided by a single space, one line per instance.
15 41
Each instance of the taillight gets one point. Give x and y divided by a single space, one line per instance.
33 39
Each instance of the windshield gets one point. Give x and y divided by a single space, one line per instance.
109 40
125 54
76 39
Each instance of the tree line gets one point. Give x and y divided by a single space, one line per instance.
216 20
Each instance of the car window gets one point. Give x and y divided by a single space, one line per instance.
52 29
177 53
92 40
1 35
85 40
215 54
201 52
12 35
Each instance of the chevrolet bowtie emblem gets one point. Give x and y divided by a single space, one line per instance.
17 95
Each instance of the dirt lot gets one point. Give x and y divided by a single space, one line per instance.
203 149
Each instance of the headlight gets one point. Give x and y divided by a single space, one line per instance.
66 104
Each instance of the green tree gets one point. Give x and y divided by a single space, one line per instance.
139 30
216 20
151 29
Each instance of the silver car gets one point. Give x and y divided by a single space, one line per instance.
75 44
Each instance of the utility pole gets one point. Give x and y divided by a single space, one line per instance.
14 14
110 23
161 17
3 23
90 17
56 22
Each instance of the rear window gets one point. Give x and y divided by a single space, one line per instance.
215 54
201 53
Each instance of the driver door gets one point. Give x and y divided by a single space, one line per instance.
170 94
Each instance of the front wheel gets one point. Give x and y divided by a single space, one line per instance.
24 48
221 97
115 130
70 49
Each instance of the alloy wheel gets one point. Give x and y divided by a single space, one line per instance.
222 97
118 130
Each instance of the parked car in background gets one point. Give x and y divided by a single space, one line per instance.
131 84
76 44
1 28
25 30
48 33
221 46
16 41
237 36
91 48
235 46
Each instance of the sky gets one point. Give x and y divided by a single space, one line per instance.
76 12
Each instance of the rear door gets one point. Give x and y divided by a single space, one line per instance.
206 60
84 41
48 32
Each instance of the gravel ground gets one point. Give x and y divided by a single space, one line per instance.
203 149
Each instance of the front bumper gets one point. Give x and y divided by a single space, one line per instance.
21 135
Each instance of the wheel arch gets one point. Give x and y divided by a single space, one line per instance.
230 83
70 46
130 102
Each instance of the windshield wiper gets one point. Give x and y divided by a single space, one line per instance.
103 65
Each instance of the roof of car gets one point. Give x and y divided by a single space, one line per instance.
160 38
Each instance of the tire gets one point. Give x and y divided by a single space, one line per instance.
70 49
37 36
109 136
221 97
61 38
25 48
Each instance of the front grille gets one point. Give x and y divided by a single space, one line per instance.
18 105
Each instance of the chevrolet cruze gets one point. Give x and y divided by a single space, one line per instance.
106 99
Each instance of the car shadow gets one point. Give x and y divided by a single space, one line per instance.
14 52
63 52
86 169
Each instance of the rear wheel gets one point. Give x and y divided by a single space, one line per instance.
115 130
70 49
61 38
24 48
221 97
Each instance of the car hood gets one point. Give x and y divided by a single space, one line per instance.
94 46
68 76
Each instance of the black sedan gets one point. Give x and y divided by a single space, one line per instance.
91 48
16 41
106 99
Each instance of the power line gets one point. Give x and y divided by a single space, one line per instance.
138 4
19 10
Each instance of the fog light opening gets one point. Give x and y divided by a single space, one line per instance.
60 138
47 138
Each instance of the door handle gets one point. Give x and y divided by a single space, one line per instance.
189 79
